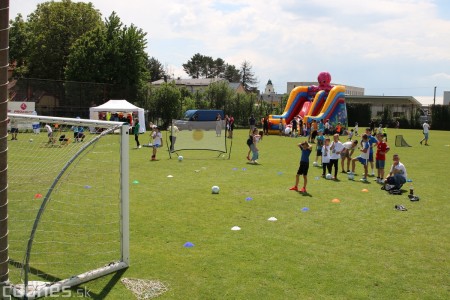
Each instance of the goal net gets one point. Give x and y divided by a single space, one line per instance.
197 135
67 203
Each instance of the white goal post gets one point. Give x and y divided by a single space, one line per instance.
68 195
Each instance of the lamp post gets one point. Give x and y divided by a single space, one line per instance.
434 98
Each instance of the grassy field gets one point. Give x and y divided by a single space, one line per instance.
357 249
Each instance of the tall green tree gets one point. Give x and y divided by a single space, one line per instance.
193 67
19 37
248 78
166 101
201 66
113 54
54 27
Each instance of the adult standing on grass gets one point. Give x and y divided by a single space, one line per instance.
397 175
336 148
306 149
426 130
218 125
231 129
173 130
136 133
252 123
14 129
266 125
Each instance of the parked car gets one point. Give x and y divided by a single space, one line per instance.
193 119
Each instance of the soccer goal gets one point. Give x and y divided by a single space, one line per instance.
197 135
400 141
67 202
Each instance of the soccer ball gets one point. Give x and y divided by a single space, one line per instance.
215 189
328 176
31 140
315 164
351 177
180 158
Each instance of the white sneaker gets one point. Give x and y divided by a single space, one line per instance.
364 179
139 147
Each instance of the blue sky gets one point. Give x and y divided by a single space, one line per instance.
389 47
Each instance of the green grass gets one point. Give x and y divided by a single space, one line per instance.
360 248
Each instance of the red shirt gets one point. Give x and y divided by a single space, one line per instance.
381 147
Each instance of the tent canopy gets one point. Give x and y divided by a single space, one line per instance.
119 106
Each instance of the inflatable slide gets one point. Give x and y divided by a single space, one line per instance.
313 103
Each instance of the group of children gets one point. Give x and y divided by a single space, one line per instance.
331 150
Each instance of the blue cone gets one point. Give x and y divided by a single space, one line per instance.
305 209
188 245
248 199
87 186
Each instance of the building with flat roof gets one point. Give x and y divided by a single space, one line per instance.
349 90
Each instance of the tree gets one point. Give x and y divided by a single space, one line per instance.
113 54
166 100
248 78
54 27
19 45
231 73
201 66
218 94
155 69
194 66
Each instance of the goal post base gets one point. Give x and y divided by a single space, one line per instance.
38 289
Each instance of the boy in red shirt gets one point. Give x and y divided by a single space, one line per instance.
380 157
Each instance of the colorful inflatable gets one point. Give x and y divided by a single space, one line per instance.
322 102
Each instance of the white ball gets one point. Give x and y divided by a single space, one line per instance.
180 158
31 140
328 176
215 189
351 177
315 164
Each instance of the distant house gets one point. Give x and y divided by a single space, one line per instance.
200 84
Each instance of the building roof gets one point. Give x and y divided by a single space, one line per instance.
234 85
190 81
383 100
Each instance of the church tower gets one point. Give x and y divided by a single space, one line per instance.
269 88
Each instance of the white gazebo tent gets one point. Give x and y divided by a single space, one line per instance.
119 106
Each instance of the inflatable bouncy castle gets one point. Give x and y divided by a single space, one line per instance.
322 102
